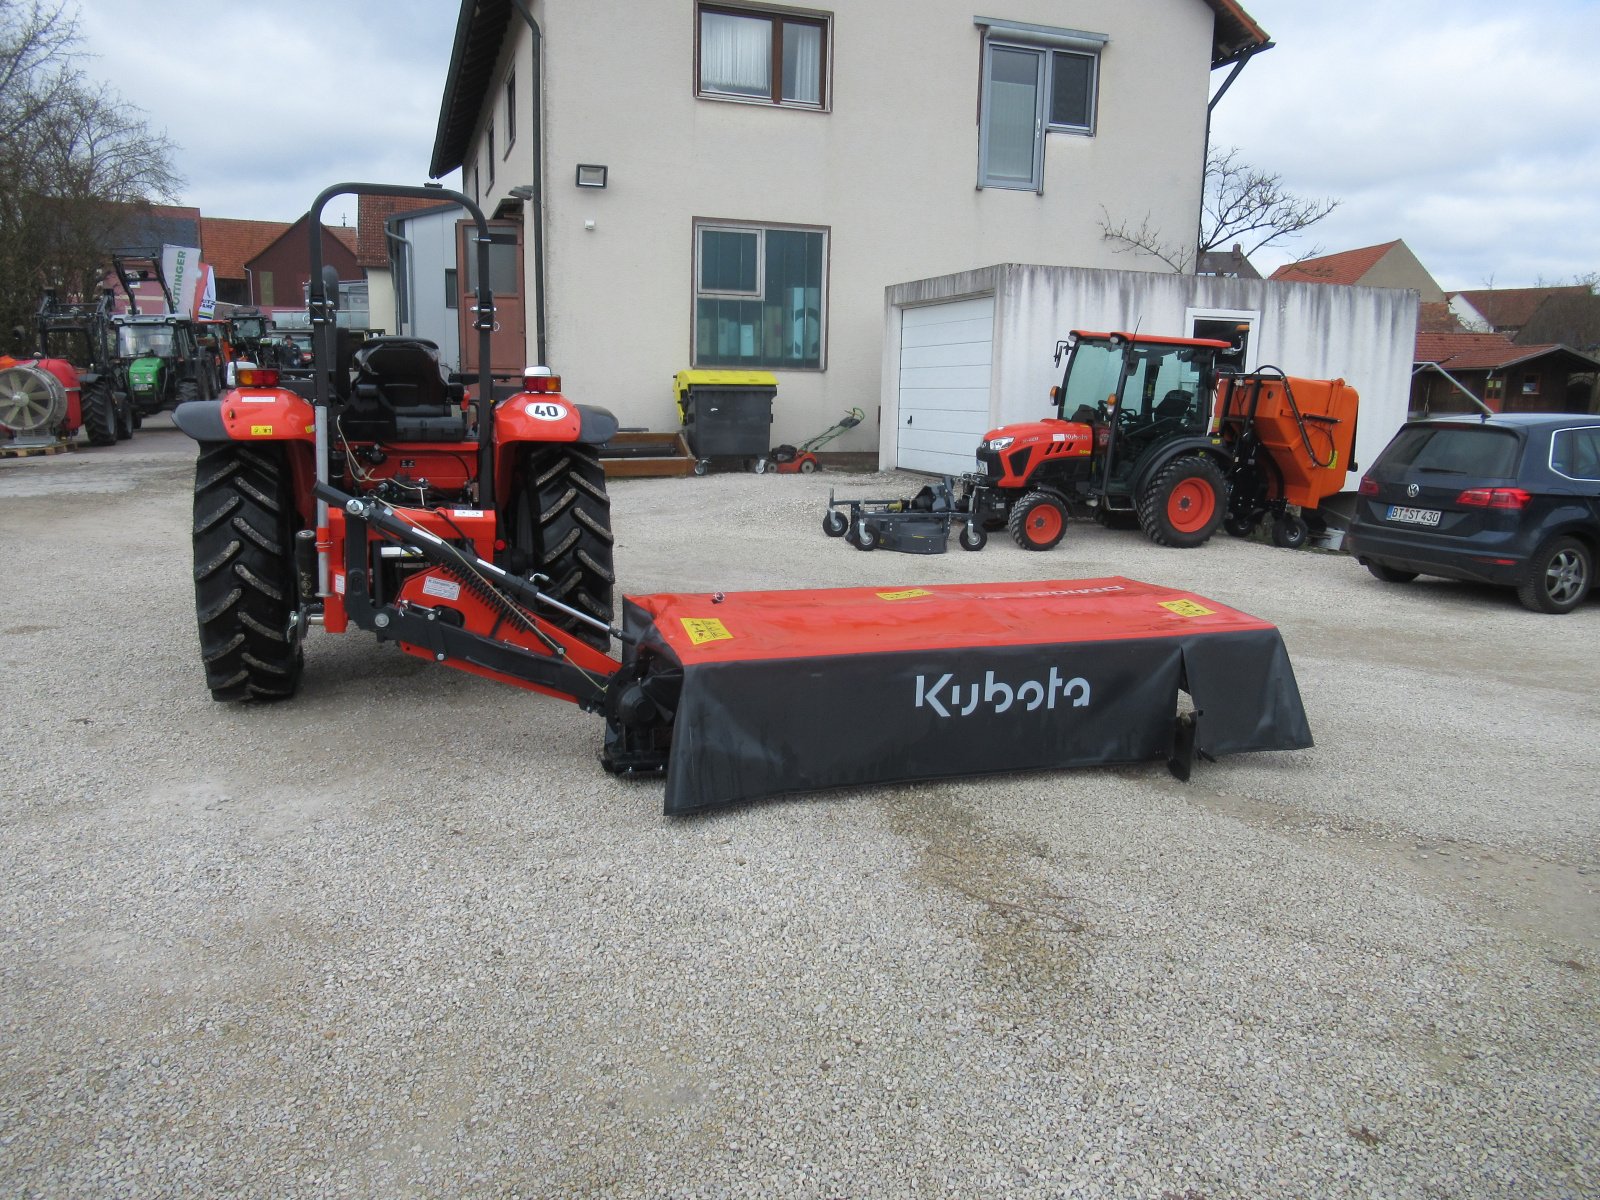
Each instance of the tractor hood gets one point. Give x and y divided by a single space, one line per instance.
144 374
1075 436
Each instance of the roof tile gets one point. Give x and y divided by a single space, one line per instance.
227 244
1347 267
372 248
1510 308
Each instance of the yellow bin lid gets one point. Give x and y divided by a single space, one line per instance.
684 380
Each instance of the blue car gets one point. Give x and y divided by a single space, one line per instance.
1510 499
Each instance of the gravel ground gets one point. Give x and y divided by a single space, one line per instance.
403 937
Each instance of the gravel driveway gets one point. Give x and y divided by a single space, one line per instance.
403 936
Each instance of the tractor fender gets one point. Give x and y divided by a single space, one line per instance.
551 417
248 415
1165 452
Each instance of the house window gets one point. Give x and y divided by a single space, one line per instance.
1494 388
511 110
1035 80
760 296
1530 384
491 153
764 57
452 289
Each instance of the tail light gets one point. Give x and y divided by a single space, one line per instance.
539 379
1494 498
256 377
1369 486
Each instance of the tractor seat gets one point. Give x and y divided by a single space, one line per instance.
1174 405
400 392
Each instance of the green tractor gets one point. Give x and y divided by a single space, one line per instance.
159 356
162 363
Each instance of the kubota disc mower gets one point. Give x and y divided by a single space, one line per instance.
474 531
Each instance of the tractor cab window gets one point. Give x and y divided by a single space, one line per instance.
1163 386
144 341
1093 375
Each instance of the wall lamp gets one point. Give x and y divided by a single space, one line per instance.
591 175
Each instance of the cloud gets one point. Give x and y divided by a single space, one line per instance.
270 103
1466 129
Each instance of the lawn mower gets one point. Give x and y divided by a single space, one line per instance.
473 530
802 459
920 525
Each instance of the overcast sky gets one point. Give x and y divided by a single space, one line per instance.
1466 127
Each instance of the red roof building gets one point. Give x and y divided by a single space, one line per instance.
1457 371
1390 265
1507 310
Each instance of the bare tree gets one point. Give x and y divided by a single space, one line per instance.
76 161
1241 204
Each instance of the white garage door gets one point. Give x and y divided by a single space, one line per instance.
945 352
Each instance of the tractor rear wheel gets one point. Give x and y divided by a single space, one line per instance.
1038 521
98 406
561 528
1184 503
245 588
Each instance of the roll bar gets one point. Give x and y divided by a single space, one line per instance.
324 332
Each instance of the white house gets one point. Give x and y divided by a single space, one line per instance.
735 185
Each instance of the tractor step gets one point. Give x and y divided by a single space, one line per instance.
741 696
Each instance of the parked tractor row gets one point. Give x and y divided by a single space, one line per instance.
101 372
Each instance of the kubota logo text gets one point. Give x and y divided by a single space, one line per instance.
962 700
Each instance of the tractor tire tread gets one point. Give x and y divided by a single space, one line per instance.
97 409
562 489
244 573
1152 505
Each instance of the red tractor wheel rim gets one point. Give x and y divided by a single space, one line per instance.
1190 505
1044 523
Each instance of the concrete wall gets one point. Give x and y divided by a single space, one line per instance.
1365 336
890 169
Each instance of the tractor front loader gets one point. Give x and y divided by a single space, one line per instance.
81 333
160 362
474 531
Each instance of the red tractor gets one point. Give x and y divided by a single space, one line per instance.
473 530
1162 431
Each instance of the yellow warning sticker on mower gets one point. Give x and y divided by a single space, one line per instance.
1187 608
908 594
261 431
705 629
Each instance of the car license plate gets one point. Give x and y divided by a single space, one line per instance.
1413 516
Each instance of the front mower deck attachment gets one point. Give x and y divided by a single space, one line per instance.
920 525
756 694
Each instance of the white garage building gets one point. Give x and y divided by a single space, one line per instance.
964 353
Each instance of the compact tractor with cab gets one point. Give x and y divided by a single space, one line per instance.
1163 431
159 359
473 530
